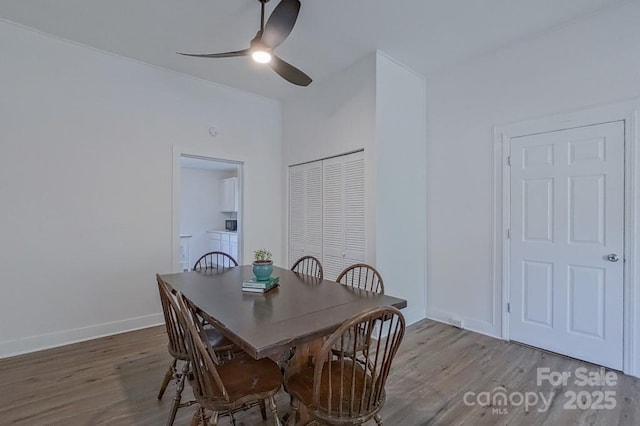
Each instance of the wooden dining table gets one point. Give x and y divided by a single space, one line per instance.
296 314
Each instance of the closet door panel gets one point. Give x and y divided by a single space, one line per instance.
313 210
354 209
333 217
297 214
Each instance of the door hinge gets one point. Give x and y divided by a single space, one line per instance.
509 234
508 307
509 160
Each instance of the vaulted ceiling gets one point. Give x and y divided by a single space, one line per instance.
427 35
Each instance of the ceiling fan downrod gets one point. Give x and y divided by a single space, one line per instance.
262 3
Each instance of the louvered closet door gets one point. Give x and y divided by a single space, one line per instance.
354 230
313 210
343 218
297 215
305 211
333 218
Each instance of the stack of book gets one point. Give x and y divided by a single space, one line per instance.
255 286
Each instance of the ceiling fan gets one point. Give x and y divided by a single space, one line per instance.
271 35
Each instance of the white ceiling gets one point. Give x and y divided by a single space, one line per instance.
427 35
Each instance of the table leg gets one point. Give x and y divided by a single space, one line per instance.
304 357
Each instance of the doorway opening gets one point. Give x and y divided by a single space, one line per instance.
207 200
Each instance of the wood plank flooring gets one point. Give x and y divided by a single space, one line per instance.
114 381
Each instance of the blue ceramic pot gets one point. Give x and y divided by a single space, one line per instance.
262 270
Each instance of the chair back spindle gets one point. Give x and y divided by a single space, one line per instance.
203 358
215 260
362 276
308 265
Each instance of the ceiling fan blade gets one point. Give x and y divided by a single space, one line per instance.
289 72
280 23
244 52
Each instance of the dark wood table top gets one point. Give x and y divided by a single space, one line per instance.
301 309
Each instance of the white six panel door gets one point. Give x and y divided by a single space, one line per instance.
567 219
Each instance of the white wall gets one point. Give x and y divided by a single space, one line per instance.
333 118
86 183
591 61
401 189
379 106
200 208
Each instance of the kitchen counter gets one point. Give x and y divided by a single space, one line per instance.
211 231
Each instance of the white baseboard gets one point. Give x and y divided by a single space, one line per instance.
24 345
482 327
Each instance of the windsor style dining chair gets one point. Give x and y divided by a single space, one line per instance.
220 387
178 350
362 277
337 390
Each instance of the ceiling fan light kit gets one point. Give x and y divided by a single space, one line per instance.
269 36
261 56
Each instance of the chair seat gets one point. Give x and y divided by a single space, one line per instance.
247 379
300 386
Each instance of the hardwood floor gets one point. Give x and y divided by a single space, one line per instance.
114 381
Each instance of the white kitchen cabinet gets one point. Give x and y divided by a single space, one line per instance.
225 245
229 194
225 242
233 242
215 241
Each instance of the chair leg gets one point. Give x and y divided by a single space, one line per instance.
294 413
274 411
167 377
198 417
213 420
286 416
263 409
178 397
378 419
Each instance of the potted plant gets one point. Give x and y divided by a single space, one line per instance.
262 264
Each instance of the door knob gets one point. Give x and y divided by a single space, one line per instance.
613 257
